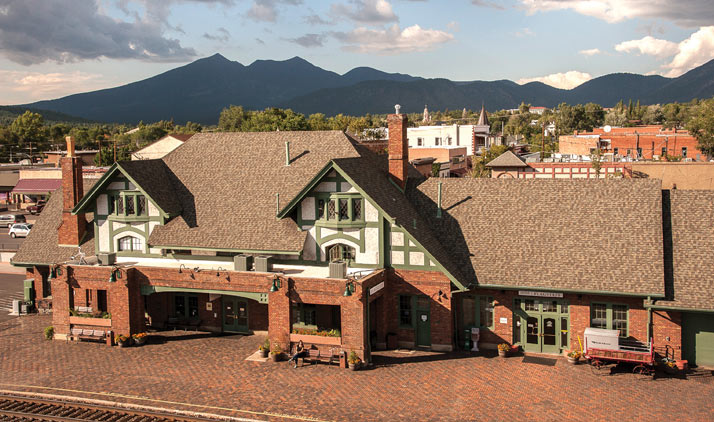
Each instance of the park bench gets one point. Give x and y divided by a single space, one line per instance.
315 355
183 323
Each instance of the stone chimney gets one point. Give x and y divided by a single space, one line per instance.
73 227
398 147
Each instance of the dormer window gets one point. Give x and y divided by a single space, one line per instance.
127 204
340 209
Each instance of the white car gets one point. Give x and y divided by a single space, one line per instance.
20 230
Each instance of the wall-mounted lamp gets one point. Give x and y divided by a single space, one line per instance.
55 270
277 284
218 273
181 268
349 289
115 274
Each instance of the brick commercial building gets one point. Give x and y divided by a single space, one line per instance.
330 243
639 142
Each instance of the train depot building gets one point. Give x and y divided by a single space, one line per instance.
328 242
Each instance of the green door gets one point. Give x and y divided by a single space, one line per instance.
698 338
235 314
549 338
541 326
423 328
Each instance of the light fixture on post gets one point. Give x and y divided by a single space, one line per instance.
115 274
182 267
277 284
349 289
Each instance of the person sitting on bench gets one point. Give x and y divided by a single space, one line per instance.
300 352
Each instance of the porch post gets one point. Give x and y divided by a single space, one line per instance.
279 315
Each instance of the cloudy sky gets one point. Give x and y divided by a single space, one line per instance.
52 48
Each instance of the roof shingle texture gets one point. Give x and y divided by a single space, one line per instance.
41 245
592 235
692 282
226 185
507 159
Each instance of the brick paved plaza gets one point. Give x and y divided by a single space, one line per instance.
199 369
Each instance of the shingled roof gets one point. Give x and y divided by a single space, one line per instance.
226 184
690 282
41 245
507 159
153 176
585 235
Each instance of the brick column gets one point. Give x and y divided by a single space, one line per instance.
61 292
279 315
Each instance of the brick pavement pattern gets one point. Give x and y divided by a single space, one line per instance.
210 370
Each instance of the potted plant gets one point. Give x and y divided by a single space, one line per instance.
503 349
573 356
353 361
139 339
123 341
276 352
49 332
264 348
670 366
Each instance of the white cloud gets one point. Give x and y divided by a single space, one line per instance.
684 12
650 46
368 12
453 26
567 80
392 40
33 86
266 10
525 32
694 51
591 52
688 54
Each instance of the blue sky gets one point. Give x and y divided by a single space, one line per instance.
52 48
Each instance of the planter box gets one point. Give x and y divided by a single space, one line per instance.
329 341
95 322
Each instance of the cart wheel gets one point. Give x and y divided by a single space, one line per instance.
596 366
642 370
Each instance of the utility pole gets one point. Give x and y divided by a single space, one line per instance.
542 143
115 150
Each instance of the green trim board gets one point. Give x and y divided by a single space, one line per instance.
266 252
89 199
553 289
609 317
148 290
677 308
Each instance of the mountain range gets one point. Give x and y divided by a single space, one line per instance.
199 91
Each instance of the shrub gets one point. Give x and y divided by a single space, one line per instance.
504 347
353 358
49 332
276 349
265 345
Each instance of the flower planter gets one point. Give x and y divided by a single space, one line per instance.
310 339
125 343
573 361
263 353
140 341
503 353
353 366
94 322
275 357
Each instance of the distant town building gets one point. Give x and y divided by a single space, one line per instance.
473 137
451 159
161 148
633 143
53 157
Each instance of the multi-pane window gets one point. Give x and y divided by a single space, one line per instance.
420 142
320 208
664 151
485 311
331 210
356 209
405 310
130 243
344 209
127 204
140 205
437 141
180 305
619 319
120 204
598 315
684 152
531 305
610 316
304 314
550 306
192 306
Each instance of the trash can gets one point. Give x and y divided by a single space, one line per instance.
392 341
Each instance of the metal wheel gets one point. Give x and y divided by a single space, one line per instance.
13 235
596 366
642 370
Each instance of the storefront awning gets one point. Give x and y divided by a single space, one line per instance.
36 186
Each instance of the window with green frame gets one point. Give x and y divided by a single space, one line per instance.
477 311
340 208
127 204
406 311
185 306
610 316
303 315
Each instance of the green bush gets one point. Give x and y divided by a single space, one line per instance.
49 332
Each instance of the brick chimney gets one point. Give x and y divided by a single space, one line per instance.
73 227
398 147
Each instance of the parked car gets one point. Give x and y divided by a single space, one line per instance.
37 208
7 220
20 230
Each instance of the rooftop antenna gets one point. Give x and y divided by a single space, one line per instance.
397 107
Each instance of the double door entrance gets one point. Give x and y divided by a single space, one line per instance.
235 314
541 325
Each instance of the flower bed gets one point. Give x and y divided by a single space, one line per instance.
316 339
95 322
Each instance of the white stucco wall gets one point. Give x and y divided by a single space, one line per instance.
116 186
397 239
309 250
307 208
371 214
326 187
102 204
153 211
103 235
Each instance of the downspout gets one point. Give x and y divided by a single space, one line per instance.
649 318
438 210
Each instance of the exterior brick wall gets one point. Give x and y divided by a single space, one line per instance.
667 332
398 148
73 227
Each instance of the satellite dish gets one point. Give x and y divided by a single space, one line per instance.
607 128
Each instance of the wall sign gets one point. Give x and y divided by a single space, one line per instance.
539 294
423 318
376 288
209 306
503 320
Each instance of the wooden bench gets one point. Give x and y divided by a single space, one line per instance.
86 334
190 323
314 355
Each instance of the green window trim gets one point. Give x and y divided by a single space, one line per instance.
406 309
339 209
127 206
610 316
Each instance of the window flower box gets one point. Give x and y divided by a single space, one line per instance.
95 322
312 339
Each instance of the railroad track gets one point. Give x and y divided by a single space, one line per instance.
30 409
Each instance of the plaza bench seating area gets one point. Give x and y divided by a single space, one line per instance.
79 334
183 323
316 355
